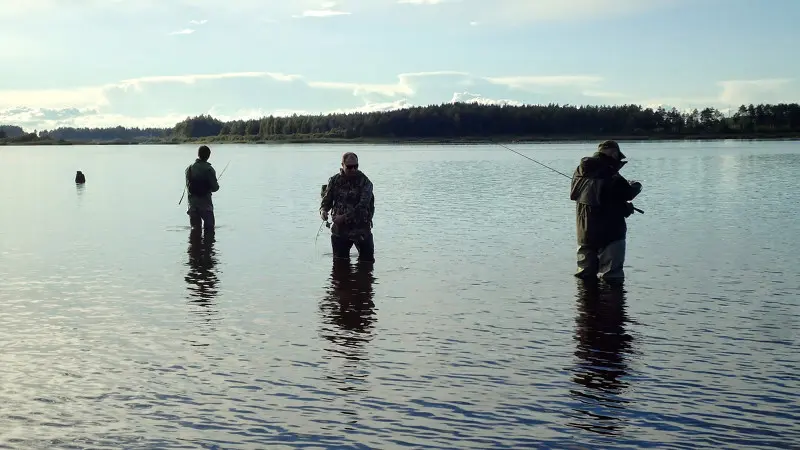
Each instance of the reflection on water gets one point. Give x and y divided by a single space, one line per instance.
603 346
348 306
202 279
80 189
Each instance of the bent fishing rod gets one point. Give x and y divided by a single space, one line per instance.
543 165
218 178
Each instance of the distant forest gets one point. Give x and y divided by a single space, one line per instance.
451 122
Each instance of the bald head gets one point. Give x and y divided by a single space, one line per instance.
349 163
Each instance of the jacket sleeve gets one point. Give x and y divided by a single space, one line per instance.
212 178
327 198
360 214
622 190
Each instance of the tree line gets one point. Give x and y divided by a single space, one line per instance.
465 121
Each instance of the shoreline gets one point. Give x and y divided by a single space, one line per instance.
300 139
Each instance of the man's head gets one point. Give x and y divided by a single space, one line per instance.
204 152
350 163
611 149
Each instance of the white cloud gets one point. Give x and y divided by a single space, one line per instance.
494 11
424 2
182 32
198 22
537 82
772 90
467 97
321 13
165 100
358 89
733 93
325 11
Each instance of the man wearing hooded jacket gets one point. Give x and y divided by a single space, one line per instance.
602 199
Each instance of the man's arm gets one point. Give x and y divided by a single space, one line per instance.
326 203
624 191
214 183
360 212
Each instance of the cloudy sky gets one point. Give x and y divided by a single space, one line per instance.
154 62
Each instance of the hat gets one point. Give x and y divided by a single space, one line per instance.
611 148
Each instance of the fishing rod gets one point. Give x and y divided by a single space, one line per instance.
543 165
218 178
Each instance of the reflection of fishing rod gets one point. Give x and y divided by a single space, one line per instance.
218 178
554 170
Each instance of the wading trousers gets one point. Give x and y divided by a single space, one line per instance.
201 218
341 246
606 261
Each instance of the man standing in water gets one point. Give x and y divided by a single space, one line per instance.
602 199
348 196
201 181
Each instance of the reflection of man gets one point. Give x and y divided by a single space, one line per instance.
202 276
349 197
349 303
603 344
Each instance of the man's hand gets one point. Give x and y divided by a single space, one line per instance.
628 210
324 215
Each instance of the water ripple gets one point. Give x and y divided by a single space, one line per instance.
121 329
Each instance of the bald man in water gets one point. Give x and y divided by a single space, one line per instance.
348 196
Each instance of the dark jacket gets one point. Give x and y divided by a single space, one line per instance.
201 181
353 197
602 199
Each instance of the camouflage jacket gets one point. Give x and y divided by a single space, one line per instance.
201 181
353 197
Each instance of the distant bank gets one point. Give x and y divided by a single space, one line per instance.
451 123
410 141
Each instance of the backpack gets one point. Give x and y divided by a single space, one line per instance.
196 187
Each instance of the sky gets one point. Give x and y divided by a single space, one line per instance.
100 63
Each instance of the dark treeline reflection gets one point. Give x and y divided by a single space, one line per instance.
202 277
603 348
348 308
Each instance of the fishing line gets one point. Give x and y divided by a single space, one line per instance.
543 165
327 224
537 162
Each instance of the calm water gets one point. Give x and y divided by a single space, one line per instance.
121 331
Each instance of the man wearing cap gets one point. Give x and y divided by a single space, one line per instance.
602 199
348 196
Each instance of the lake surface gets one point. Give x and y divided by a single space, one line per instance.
120 330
